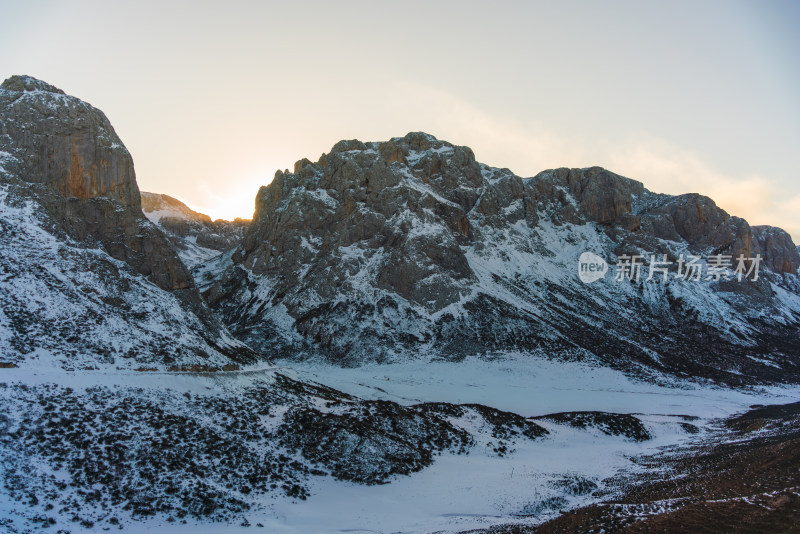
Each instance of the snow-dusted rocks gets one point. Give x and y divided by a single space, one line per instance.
195 236
410 247
64 142
67 302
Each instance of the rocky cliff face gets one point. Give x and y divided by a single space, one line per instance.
615 202
194 235
64 142
79 257
776 246
58 140
411 247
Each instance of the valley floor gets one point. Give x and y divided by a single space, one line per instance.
499 478
746 479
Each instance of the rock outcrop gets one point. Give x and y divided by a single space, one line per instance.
776 246
599 196
613 201
411 247
58 140
64 142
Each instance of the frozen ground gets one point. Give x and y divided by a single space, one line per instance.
535 480
479 490
534 386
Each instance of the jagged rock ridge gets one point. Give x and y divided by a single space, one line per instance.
391 250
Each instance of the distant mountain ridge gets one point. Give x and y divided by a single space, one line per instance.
195 236
380 251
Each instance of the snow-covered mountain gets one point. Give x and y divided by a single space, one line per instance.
92 294
86 281
411 248
195 236
379 251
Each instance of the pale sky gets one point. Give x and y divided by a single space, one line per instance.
212 98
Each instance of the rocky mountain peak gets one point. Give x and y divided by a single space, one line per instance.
24 83
411 246
64 142
61 142
407 197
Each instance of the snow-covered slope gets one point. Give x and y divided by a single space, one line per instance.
411 248
70 304
167 452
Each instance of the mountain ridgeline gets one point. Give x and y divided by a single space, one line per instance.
380 251
412 248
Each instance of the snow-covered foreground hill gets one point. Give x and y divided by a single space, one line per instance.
539 478
201 451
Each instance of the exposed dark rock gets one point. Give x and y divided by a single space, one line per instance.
64 142
383 250
61 141
697 220
776 247
612 424
602 196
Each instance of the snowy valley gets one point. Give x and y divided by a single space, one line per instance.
399 341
